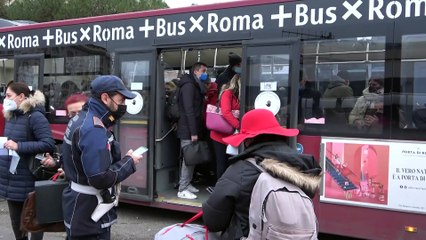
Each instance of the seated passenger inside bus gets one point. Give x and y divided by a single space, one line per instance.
368 110
337 90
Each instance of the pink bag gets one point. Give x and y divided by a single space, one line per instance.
216 122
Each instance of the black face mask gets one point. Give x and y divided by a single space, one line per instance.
119 113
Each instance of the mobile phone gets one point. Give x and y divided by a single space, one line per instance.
140 150
40 156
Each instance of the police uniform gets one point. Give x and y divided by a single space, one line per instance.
93 164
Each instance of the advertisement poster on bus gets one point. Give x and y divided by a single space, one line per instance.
379 174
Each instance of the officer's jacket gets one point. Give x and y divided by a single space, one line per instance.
91 157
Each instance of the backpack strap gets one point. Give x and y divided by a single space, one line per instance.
262 170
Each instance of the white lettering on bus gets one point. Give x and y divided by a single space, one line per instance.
237 23
417 7
394 9
116 33
22 42
170 28
257 22
397 7
316 16
330 12
62 37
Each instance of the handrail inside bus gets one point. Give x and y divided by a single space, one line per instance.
174 127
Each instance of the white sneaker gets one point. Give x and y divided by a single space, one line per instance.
186 194
192 189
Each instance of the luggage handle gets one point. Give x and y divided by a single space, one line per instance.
195 217
56 176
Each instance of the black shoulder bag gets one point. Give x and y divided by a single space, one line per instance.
38 171
197 152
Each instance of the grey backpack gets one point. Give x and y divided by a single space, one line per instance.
280 210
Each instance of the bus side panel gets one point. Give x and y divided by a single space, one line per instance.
367 223
350 220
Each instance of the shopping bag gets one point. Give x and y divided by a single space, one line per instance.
186 230
215 120
198 152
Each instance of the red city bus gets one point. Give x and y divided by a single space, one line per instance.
349 74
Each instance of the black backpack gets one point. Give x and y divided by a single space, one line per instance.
172 105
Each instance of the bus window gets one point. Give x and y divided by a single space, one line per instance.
68 74
269 73
412 100
28 72
340 70
6 74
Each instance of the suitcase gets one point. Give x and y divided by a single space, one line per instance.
48 196
186 230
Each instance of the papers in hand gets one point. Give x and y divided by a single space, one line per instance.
14 162
3 140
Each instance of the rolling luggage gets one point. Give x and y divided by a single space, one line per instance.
186 230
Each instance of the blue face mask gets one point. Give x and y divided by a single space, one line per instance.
237 70
204 76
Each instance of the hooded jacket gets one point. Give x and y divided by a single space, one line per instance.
91 157
337 88
28 117
227 209
367 104
191 104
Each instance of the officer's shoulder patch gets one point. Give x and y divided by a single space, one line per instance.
98 122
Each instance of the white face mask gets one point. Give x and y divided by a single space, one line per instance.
9 105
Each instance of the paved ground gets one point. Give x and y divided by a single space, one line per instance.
134 223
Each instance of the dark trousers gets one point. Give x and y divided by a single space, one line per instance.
15 210
221 158
105 235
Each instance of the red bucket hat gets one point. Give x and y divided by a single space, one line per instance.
257 122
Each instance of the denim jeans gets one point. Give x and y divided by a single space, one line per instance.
186 172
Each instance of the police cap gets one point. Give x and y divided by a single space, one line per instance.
110 83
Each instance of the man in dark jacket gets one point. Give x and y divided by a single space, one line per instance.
227 209
233 68
92 161
191 104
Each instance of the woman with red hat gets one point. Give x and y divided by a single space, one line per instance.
227 209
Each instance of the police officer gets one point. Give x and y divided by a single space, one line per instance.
93 163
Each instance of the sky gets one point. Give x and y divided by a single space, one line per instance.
185 3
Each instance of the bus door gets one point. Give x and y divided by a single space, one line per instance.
137 70
29 69
271 79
